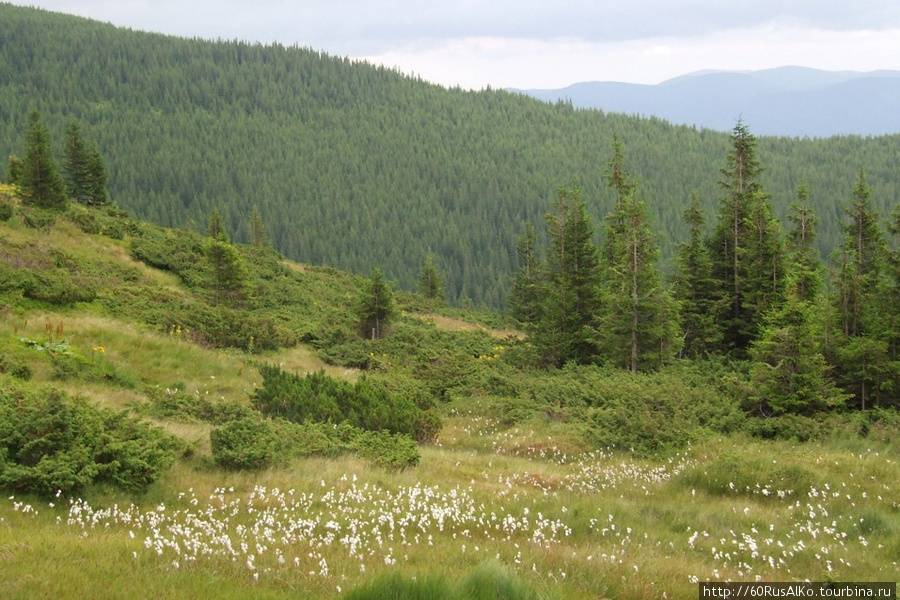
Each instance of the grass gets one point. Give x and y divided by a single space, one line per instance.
585 527
525 508
529 498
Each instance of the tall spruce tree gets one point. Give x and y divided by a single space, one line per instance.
40 182
859 346
694 289
75 164
744 247
804 257
571 299
637 326
789 372
85 173
892 312
97 176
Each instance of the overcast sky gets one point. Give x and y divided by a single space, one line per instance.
538 43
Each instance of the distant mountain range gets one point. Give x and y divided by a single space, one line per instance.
787 101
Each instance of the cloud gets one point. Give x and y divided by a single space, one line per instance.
475 63
536 43
381 24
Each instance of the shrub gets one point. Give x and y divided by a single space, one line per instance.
36 218
176 404
54 286
245 443
797 428
317 397
50 443
386 450
6 211
16 368
649 414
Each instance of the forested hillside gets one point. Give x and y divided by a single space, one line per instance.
355 166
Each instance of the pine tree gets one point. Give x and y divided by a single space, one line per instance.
571 299
430 284
39 181
527 290
694 289
376 307
744 248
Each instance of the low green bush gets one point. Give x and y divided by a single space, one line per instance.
386 450
53 286
797 428
53 444
245 443
317 397
14 367
253 442
179 405
648 414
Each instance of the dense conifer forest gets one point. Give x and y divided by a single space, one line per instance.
358 167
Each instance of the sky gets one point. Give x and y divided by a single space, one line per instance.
529 44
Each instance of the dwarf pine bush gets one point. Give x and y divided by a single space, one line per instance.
51 444
319 398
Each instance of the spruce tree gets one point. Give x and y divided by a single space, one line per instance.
14 168
40 182
892 312
859 346
527 290
804 257
376 307
637 326
75 165
228 275
789 372
571 299
258 236
744 247
694 289
98 194
430 284
215 228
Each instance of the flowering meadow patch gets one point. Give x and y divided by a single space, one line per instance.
599 523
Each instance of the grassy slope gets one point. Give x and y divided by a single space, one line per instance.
532 497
